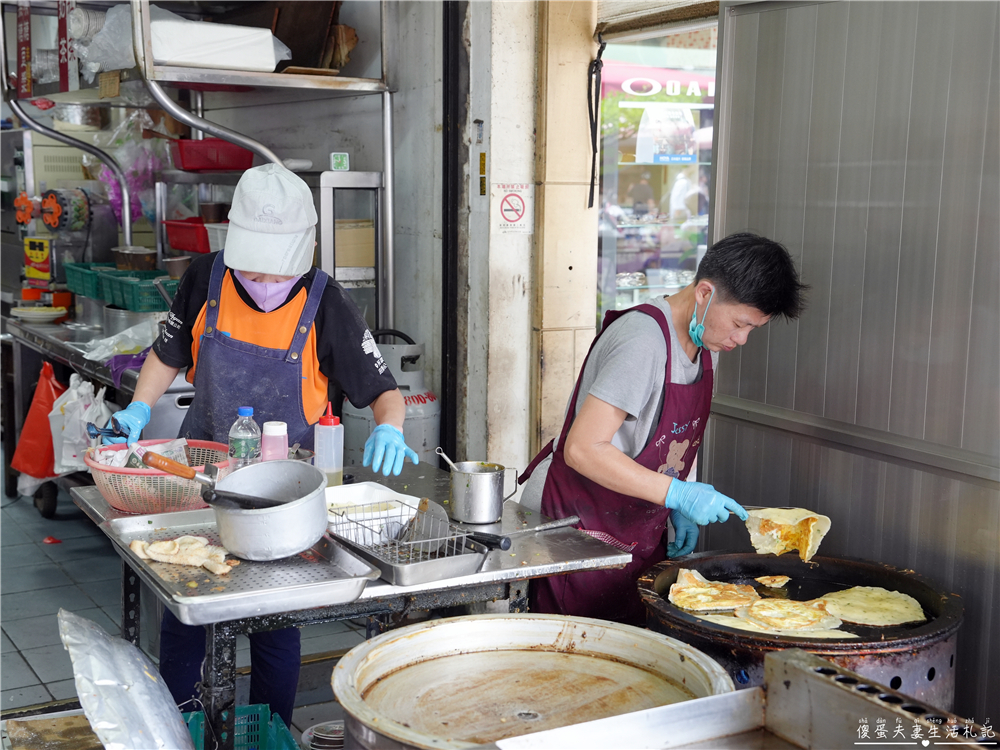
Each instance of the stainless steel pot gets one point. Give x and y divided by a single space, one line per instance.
477 491
134 258
117 320
282 531
89 311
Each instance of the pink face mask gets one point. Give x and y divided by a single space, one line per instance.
267 296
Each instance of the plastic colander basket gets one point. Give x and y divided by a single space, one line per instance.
151 491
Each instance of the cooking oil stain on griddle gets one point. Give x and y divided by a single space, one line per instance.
483 697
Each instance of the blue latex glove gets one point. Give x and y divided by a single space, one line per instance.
701 503
685 535
386 442
130 420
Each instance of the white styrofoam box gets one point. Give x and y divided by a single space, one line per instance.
368 513
217 236
195 44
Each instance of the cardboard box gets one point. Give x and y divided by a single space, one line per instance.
354 243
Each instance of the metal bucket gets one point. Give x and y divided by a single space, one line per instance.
282 531
466 681
477 492
117 320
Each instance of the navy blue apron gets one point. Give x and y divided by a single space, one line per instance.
231 373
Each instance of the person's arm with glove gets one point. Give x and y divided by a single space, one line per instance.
154 379
685 535
385 447
701 503
589 450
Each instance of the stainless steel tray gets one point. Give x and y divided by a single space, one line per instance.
411 574
324 575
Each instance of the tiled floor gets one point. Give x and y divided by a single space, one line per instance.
82 574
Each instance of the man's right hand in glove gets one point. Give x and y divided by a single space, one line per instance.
130 421
701 503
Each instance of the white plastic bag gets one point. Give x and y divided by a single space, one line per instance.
75 438
78 388
124 697
68 423
130 341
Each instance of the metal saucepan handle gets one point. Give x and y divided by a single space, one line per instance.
493 541
548 526
212 496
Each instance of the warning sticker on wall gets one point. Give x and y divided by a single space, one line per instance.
513 207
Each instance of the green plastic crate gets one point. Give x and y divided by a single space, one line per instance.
139 295
253 729
113 288
83 278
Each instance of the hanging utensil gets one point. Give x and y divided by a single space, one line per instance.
158 283
225 499
447 460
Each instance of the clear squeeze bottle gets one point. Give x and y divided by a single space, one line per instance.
328 443
244 440
274 441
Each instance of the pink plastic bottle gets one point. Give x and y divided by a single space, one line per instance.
274 441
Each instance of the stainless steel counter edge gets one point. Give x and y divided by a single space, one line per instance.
43 338
530 556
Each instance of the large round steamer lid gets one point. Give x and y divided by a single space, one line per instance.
464 681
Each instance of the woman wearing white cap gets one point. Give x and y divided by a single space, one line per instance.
257 325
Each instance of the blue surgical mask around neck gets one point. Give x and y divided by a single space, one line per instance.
696 329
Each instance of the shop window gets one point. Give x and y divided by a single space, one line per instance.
657 107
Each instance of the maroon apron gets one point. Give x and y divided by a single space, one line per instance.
628 523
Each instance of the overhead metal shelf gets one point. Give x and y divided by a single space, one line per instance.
335 85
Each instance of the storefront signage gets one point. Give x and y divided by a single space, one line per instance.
513 207
23 48
68 70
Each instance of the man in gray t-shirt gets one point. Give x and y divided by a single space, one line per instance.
609 460
626 369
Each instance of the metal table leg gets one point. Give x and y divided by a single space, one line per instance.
130 604
218 686
377 624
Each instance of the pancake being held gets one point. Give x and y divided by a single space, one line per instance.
779 530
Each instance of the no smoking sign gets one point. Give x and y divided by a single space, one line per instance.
512 204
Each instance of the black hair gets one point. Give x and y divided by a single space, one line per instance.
752 270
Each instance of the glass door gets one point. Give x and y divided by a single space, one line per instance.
657 106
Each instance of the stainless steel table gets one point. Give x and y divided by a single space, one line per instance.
503 575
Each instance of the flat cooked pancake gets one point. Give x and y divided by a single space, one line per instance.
779 530
735 622
785 614
873 605
774 582
694 592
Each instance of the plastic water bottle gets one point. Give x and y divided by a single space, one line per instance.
274 441
328 444
244 440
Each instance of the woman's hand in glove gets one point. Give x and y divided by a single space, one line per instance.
685 535
701 503
386 448
130 421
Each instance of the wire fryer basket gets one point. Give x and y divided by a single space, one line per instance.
398 533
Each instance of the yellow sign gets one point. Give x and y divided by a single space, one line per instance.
37 263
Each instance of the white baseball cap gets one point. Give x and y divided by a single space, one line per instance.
272 223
